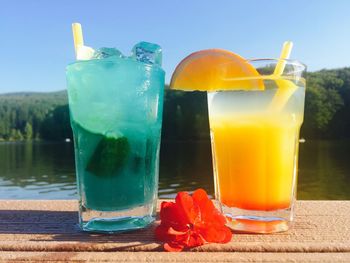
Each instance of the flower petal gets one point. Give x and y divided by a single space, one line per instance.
195 240
161 233
172 231
173 247
227 235
169 235
216 234
200 196
191 221
188 208
171 215
209 213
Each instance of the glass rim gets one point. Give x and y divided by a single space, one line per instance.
293 62
115 60
301 66
297 71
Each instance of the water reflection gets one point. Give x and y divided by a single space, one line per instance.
37 171
46 170
324 170
185 166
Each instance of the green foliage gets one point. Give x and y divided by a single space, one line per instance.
327 109
16 135
185 117
327 104
22 114
56 125
321 106
28 131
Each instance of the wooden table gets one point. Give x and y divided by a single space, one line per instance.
46 231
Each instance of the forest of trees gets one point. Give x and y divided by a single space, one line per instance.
27 116
327 104
23 115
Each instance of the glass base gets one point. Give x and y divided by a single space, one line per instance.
262 222
115 221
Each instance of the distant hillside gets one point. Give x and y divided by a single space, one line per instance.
60 96
327 109
32 115
327 104
22 114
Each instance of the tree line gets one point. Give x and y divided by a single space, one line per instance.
28 116
23 115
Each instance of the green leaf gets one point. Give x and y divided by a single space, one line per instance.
109 156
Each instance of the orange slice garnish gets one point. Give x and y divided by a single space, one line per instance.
215 69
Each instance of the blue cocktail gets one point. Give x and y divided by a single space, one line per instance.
116 107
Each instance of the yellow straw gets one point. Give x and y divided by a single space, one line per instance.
286 88
77 36
285 53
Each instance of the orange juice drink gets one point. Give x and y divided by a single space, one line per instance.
255 158
255 136
256 108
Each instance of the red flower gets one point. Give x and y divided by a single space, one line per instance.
191 221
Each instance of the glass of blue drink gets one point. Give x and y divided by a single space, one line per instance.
116 105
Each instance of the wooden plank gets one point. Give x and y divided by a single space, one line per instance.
171 257
320 227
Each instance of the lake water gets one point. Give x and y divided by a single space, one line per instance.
42 170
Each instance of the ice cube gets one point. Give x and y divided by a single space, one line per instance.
147 53
106 52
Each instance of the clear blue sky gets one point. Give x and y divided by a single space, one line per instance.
36 40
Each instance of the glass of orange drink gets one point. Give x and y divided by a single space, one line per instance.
255 113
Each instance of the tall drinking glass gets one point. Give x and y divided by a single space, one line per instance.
255 137
116 108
